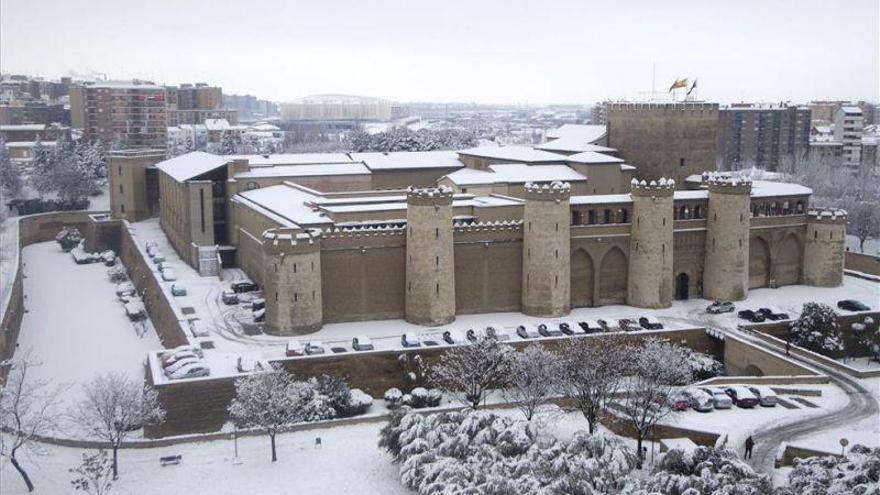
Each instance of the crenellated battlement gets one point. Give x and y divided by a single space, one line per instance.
726 184
512 225
554 191
291 240
363 231
441 195
826 215
661 187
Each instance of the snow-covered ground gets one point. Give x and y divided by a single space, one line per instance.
74 324
865 432
872 246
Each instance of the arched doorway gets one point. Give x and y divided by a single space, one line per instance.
788 261
612 277
682 287
759 263
581 279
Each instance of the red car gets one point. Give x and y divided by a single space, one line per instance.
742 397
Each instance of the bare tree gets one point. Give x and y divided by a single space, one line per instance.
269 401
469 372
28 410
591 372
530 381
94 475
656 368
113 406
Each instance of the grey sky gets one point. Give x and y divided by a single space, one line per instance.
498 51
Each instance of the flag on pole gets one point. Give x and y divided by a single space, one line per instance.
679 83
692 88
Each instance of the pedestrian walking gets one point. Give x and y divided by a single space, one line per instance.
750 443
787 346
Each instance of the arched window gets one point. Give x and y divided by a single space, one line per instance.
624 216
575 217
697 212
800 207
774 209
682 212
786 208
591 217
607 215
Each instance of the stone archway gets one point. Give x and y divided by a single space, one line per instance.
759 263
789 256
582 279
682 286
613 277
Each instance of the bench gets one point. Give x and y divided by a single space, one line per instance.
171 460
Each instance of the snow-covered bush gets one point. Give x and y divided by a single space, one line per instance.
406 400
706 470
817 329
856 474
393 398
702 366
479 452
419 397
117 274
359 402
434 397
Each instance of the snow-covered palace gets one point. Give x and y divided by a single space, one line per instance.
428 235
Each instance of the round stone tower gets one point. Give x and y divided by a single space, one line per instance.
726 271
824 248
650 244
292 281
430 264
546 283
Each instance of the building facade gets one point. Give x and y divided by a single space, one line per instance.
848 126
130 113
762 136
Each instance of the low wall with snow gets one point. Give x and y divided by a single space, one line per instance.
852 346
745 358
864 263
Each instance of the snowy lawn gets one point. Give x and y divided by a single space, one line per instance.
74 324
865 432
349 462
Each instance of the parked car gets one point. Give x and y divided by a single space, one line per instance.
362 343
497 333
565 328
628 325
229 297
178 290
170 359
548 331
852 305
742 396
699 400
135 310
752 316
198 328
679 401
773 314
410 339
720 399
180 364
125 289
718 307
453 337
527 332
314 347
241 287
158 257
193 371
650 323
590 326
606 327
260 315
258 304
186 347
766 395
475 334
294 348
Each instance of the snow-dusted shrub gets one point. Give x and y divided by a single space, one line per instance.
479 452
817 329
419 397
702 366
406 400
393 398
433 398
856 474
358 403
706 470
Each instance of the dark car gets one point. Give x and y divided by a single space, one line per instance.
549 332
527 332
773 315
604 324
229 297
628 325
718 307
752 316
258 304
650 323
241 287
852 305
565 328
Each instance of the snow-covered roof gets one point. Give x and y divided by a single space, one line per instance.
624 166
217 124
760 189
586 132
292 159
517 153
23 127
515 173
593 157
306 170
185 167
852 110
123 84
262 126
601 199
575 145
287 202
408 160
763 189
28 144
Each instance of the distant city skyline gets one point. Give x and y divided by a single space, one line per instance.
483 52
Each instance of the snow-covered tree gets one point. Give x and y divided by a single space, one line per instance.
10 176
42 178
113 407
405 139
28 410
94 476
533 373
269 401
817 329
858 473
469 372
868 337
591 372
228 144
655 370
863 220
706 470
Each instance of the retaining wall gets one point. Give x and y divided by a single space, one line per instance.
864 263
791 452
852 346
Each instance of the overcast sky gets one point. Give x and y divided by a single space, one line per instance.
492 51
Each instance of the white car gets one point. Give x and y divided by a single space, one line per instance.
168 275
294 348
125 289
198 328
169 370
362 343
410 339
186 347
191 371
766 395
177 356
720 399
315 347
135 309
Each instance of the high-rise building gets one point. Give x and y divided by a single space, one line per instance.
761 135
671 140
193 104
132 113
848 124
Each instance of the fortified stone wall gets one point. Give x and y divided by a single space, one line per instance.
864 263
546 289
651 245
430 263
488 267
726 274
292 281
824 247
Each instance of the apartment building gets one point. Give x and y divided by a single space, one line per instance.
848 125
132 113
761 135
193 104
